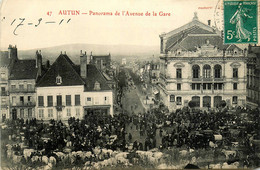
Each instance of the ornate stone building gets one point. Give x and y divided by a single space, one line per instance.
196 65
253 77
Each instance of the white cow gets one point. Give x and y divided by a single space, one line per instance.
60 155
212 145
122 154
231 166
215 166
36 159
45 160
17 159
52 160
228 153
183 152
27 153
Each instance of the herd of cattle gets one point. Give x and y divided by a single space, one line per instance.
100 158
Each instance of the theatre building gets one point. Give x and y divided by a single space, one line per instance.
196 65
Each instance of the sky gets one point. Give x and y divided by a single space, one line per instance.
39 30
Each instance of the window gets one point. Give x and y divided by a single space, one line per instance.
218 86
13 100
21 86
21 99
178 99
195 86
21 113
2 75
29 87
234 101
178 86
235 72
3 101
30 112
204 86
209 86
13 87
58 80
77 111
206 71
172 98
77 100
89 99
195 71
217 69
29 98
234 86
68 100
68 112
50 101
41 113
178 72
97 86
2 89
106 100
59 100
50 112
40 101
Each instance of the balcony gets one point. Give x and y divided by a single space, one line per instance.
196 79
24 104
16 90
207 79
219 79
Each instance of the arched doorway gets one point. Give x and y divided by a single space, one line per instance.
217 100
206 101
196 99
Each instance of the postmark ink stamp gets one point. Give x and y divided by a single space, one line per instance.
240 21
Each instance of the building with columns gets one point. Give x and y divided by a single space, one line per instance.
196 65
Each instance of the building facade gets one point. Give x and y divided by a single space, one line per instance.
196 65
68 90
253 77
22 81
6 60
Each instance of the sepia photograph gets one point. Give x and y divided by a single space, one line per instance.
129 84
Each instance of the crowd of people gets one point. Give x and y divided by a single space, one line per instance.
186 128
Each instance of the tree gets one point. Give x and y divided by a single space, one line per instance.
192 104
223 103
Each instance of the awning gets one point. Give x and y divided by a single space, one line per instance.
97 106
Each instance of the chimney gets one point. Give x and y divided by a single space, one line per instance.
88 58
48 64
39 62
91 57
83 65
12 52
209 22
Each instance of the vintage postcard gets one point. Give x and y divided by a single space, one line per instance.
129 84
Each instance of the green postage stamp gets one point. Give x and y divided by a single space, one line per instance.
240 21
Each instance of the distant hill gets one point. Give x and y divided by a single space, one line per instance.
73 51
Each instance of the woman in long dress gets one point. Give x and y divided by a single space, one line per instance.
238 19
